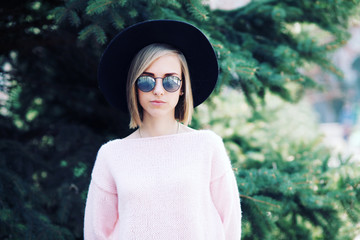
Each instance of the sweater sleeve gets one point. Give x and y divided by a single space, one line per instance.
101 212
101 215
101 173
225 194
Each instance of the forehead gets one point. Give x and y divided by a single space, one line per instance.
165 64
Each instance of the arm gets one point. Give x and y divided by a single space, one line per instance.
224 191
101 213
226 199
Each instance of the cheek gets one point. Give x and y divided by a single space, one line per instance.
140 97
176 99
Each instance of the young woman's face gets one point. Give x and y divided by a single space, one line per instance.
158 102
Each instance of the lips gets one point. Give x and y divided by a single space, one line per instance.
157 102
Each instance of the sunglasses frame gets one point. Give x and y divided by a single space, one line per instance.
162 81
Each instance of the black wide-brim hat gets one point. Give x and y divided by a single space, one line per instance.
116 59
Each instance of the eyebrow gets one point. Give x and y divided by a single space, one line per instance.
166 74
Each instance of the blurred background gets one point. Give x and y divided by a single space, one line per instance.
286 105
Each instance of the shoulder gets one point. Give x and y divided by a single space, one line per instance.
110 146
211 135
210 138
215 146
133 135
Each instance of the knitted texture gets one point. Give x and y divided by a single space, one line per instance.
177 186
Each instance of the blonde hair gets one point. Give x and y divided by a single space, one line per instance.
142 60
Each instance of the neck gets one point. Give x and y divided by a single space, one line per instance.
158 127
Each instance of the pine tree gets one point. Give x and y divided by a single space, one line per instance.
56 119
287 188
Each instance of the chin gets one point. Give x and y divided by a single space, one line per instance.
158 113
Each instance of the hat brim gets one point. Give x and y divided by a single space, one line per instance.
116 59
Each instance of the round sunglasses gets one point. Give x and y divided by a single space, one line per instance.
147 83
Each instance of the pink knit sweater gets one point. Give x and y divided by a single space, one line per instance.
173 187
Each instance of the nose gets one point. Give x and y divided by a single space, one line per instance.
158 89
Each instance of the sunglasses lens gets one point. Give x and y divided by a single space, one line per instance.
145 83
171 83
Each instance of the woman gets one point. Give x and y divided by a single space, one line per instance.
165 180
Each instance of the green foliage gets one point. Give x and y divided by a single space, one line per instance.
288 189
21 194
93 30
100 6
262 33
118 21
197 10
62 13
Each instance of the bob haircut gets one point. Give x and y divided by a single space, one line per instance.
142 60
